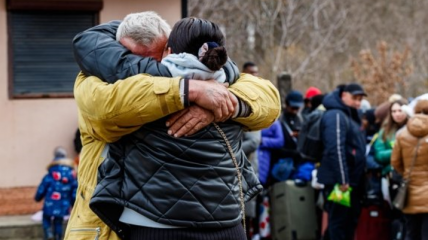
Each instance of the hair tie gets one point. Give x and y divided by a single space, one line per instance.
205 47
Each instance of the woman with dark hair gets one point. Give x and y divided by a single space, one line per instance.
196 50
153 185
384 143
410 159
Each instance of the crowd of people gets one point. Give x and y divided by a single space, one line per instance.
369 150
177 144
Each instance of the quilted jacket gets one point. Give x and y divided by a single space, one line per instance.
189 181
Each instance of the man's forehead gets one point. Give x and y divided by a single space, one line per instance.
357 97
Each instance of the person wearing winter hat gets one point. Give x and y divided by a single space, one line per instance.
291 123
310 93
291 117
410 158
343 159
58 188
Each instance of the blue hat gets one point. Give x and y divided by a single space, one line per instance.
294 99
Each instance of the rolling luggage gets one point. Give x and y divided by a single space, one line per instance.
293 212
374 223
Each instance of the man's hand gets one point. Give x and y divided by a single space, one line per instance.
213 96
188 121
344 187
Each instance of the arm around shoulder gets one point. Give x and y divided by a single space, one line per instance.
115 110
262 97
99 54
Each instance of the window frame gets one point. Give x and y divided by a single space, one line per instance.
44 6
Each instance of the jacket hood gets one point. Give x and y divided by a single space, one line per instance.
188 65
333 101
418 125
61 162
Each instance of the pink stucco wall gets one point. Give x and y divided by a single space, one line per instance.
30 129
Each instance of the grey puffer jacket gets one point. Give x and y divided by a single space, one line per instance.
99 54
188 181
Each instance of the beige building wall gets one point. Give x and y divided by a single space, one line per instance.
30 129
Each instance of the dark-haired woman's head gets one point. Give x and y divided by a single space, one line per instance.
189 35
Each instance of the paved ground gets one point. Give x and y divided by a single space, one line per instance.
23 220
20 228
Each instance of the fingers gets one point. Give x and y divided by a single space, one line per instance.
233 99
223 113
214 96
187 128
228 107
218 112
191 122
174 117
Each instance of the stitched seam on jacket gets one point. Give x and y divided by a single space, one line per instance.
339 153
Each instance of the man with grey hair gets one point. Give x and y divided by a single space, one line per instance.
144 34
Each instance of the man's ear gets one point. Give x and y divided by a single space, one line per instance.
166 52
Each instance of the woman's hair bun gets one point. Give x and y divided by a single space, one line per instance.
215 58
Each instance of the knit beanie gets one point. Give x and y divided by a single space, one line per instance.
311 92
60 152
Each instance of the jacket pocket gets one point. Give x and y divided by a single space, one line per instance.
90 233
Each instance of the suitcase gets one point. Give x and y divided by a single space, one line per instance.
374 223
293 212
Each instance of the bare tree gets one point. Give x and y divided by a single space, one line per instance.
316 40
384 74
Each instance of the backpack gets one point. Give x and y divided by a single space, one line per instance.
309 142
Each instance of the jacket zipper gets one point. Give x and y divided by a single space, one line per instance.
97 230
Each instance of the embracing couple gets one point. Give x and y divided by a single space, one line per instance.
162 155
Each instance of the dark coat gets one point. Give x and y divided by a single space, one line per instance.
99 54
344 142
188 181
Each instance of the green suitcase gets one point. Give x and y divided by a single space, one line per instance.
293 212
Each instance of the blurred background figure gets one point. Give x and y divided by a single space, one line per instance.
250 144
58 188
250 68
410 159
384 143
310 93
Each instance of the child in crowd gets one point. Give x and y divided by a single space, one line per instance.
58 188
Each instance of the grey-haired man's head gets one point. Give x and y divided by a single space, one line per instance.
144 34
